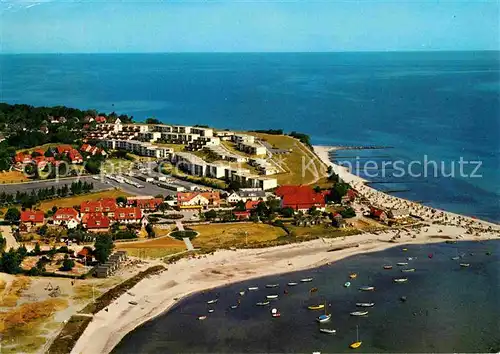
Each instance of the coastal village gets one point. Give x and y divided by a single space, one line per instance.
171 196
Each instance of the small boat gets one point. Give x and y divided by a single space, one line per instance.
405 249
272 296
263 303
316 307
133 303
464 265
365 304
387 267
430 255
234 306
488 253
400 280
353 275
456 258
212 301
210 310
242 293
328 330
201 318
272 285
367 288
253 288
357 343
403 298
306 280
325 317
410 258
275 313
347 284
359 313
292 284
402 264
409 270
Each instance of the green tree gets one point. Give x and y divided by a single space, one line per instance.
121 200
103 247
68 263
240 206
348 213
10 262
12 215
151 232
287 212
37 251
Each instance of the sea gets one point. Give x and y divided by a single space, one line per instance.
431 109
448 308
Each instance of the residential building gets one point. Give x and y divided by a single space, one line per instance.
131 215
197 200
103 205
246 194
63 216
398 213
32 217
96 222
300 198
252 148
139 148
378 214
242 215
242 138
145 203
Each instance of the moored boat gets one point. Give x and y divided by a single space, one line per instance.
210 310
292 283
464 265
408 270
275 313
263 303
253 288
316 307
347 284
400 280
212 301
353 275
201 318
402 264
306 280
387 267
365 304
367 288
272 297
234 306
324 318
272 285
357 343
328 330
242 293
456 258
359 313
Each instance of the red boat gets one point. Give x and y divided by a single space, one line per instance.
430 255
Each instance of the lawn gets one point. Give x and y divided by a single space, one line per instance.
12 177
78 199
234 235
301 164
316 231
155 248
117 166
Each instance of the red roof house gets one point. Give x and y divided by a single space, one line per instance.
252 204
75 156
242 215
22 157
127 215
34 217
378 214
62 149
97 221
104 205
100 119
64 215
300 197
150 204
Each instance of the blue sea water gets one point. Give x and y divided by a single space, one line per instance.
443 105
449 309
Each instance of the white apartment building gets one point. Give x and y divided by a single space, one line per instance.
242 138
251 148
139 148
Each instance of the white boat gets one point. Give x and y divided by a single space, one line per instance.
365 304
275 313
347 284
465 265
367 288
253 288
212 301
400 280
410 258
306 280
242 293
324 318
272 297
402 263
210 310
292 284
456 258
409 270
263 303
328 330
272 285
359 313
234 306
201 318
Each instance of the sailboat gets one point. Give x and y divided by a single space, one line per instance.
316 307
325 317
357 343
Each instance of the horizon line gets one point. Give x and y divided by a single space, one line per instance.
261 52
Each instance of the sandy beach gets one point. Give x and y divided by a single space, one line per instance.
157 294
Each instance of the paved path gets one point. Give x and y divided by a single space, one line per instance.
9 238
186 240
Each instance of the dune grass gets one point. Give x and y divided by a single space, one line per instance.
13 292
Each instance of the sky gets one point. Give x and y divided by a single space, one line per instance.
121 26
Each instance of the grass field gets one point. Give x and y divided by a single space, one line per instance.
77 200
234 235
12 177
156 248
301 164
315 231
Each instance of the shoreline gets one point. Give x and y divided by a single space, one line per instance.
156 295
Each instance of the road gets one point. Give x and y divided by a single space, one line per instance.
9 238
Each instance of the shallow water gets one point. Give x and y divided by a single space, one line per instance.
448 308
